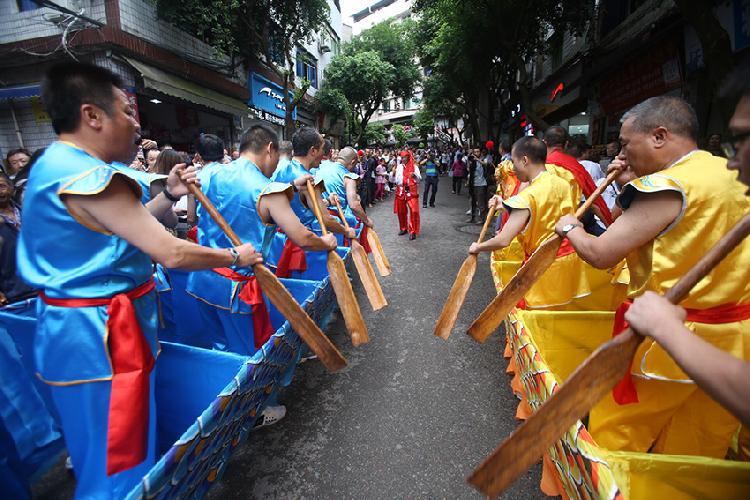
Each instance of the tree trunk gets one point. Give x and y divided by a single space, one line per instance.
289 127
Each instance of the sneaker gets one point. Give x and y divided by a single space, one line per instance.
432 205
403 232
424 206
270 416
468 212
412 236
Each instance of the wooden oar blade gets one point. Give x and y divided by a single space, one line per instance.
515 290
301 323
456 298
367 276
586 386
381 260
355 324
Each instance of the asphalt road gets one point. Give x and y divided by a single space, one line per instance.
411 415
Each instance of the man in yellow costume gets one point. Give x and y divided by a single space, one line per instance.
682 202
533 213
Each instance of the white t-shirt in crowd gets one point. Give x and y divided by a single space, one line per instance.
593 168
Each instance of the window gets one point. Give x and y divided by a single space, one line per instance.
25 5
386 105
307 67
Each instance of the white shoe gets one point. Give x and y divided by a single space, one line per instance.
468 212
270 416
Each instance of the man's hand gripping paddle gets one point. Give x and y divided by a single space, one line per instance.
586 386
526 276
364 269
281 298
340 282
460 287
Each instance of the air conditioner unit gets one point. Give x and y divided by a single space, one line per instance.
324 48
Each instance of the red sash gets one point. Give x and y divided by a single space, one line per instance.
363 238
250 293
565 249
132 362
582 178
624 392
292 259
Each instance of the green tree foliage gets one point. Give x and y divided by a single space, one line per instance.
424 123
478 48
333 103
401 135
374 134
251 30
375 64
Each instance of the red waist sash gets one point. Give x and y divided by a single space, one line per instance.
624 392
132 362
292 259
250 293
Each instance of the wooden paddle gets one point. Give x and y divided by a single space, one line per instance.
381 261
586 386
281 298
365 270
460 287
526 276
355 324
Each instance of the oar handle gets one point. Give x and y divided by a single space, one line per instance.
215 215
313 195
341 214
597 192
490 215
725 245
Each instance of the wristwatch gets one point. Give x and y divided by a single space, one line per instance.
235 255
569 227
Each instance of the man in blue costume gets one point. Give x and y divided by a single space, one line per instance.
308 149
87 242
341 183
254 206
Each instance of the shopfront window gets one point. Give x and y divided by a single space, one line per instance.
24 5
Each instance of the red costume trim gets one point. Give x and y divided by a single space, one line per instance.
251 294
583 178
624 392
292 259
132 362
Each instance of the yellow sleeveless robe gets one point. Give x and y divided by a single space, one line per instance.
505 262
673 416
548 198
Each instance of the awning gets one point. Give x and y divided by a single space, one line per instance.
175 86
20 92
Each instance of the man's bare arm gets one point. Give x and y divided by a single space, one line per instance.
516 222
647 216
117 210
276 207
723 376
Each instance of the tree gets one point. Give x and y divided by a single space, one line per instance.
375 64
333 104
401 135
346 73
424 123
482 48
374 133
254 30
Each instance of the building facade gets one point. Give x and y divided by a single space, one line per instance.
180 86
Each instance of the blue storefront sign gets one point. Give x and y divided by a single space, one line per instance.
267 98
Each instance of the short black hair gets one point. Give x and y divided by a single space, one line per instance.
555 136
14 152
68 85
532 147
327 147
257 137
304 139
210 147
672 113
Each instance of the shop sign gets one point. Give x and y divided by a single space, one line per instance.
259 114
652 73
267 97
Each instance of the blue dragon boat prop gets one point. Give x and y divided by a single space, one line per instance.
207 400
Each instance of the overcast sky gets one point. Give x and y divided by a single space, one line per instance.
349 7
